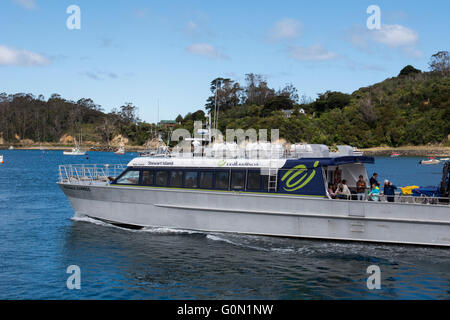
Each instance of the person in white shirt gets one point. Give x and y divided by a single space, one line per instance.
343 191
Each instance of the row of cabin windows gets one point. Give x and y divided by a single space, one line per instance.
218 179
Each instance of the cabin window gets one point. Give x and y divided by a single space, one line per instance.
206 180
162 178
222 179
129 177
254 180
190 179
176 178
238 180
147 177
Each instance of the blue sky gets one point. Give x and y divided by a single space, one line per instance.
144 51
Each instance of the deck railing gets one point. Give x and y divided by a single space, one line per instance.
88 174
402 198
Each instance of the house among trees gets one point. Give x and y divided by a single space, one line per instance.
288 113
167 123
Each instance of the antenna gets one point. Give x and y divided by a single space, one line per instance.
215 108
158 111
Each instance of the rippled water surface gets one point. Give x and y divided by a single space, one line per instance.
40 238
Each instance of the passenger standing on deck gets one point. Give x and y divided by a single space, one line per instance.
389 191
361 188
374 180
374 193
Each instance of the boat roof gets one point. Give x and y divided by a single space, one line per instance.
210 162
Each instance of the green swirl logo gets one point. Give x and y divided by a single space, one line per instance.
222 163
297 177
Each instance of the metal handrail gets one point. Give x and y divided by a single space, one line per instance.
402 198
88 174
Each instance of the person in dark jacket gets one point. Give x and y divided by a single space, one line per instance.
389 191
373 180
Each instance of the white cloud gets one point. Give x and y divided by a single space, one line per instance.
395 36
392 36
15 57
27 4
311 53
100 75
285 29
191 27
205 49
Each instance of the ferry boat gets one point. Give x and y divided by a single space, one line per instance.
274 194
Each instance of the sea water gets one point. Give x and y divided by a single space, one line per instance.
40 237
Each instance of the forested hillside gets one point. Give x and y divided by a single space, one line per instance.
24 117
412 108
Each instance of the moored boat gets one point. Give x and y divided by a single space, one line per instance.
75 152
275 194
431 160
357 152
120 151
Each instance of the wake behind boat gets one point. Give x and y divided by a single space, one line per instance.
278 193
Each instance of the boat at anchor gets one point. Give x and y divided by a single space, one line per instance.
264 190
431 160
120 151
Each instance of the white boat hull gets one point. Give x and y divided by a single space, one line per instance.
69 153
263 214
430 161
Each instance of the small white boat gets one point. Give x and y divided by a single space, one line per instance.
357 152
75 152
444 159
430 161
11 148
120 151
1 159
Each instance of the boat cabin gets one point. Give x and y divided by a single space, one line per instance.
302 176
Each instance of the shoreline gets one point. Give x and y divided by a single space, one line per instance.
404 151
409 151
69 147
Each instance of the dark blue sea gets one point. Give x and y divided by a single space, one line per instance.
40 238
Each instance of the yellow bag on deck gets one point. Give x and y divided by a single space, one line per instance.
408 189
